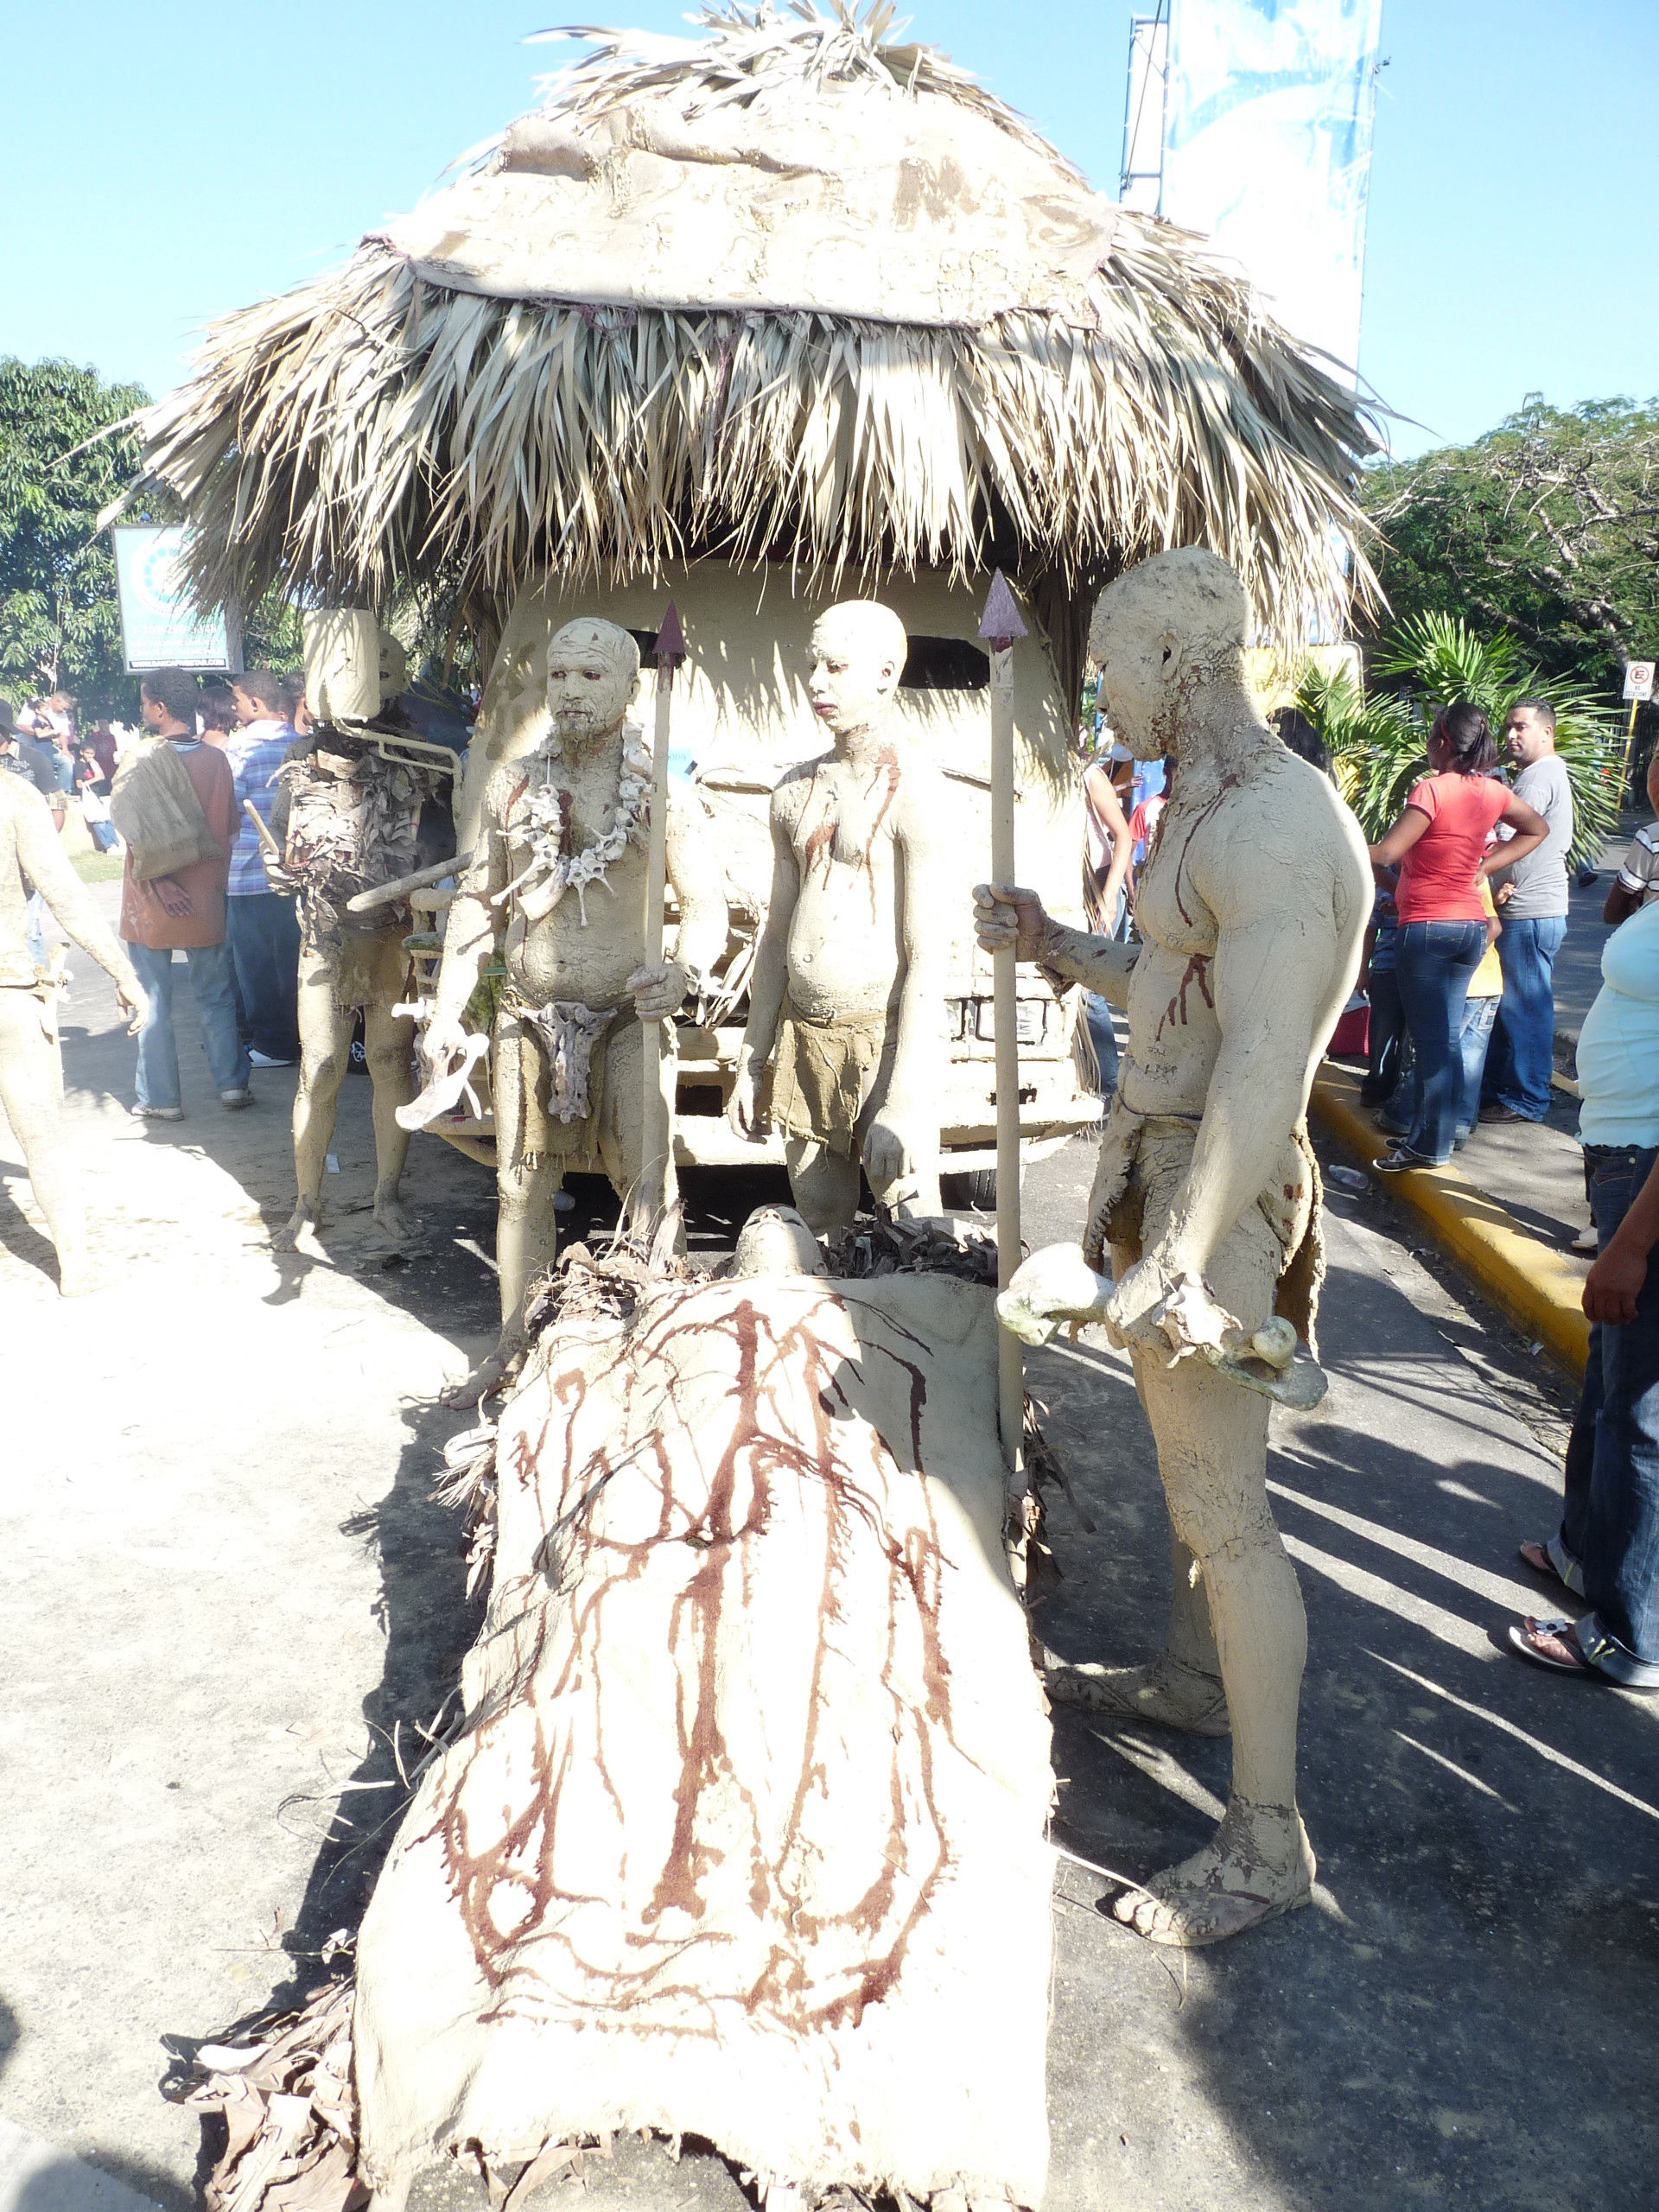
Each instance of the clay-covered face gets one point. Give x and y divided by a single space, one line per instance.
858 656
592 668
1140 661
776 1241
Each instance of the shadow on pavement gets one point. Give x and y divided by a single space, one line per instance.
1472 2006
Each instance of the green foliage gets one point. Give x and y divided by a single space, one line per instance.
1548 529
58 624
1378 740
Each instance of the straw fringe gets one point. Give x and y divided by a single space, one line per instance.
371 430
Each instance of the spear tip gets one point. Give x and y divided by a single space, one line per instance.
1000 625
670 639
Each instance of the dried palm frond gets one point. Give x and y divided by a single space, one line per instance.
375 426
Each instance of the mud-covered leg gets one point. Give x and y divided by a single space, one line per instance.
824 1184
388 1042
526 1235
325 1043
31 1091
1212 1446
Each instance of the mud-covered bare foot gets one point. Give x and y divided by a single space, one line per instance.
395 1223
302 1223
1258 1863
491 1374
1164 1693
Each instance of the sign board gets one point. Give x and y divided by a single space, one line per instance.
1267 149
1638 679
160 628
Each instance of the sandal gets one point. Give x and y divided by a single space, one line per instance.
1550 1644
1581 1646
1553 1558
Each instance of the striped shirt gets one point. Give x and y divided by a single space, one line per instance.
255 753
1640 873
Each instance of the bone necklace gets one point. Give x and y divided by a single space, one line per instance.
544 819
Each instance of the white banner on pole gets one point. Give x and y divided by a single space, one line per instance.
160 628
1267 149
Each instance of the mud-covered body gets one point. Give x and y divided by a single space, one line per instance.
741 719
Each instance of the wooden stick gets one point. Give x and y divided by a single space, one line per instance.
1001 627
653 1170
386 894
265 837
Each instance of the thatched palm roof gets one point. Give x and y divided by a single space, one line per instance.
918 340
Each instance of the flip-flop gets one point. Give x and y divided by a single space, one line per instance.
1553 1644
1552 1558
1561 1646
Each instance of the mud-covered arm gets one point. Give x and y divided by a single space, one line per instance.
469 935
771 975
1102 964
699 882
913 1088
1008 914
45 864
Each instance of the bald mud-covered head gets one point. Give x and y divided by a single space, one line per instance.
1162 633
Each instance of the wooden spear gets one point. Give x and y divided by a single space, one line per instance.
1000 626
658 1121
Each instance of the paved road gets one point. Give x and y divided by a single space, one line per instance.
230 1603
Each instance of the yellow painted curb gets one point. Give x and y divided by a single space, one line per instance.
1534 1283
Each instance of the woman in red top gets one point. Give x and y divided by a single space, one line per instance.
1440 844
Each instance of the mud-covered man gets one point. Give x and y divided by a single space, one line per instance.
560 873
848 974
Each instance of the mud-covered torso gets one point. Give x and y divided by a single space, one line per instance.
555 957
842 817
1173 1033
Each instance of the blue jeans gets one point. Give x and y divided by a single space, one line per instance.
1434 961
1103 1037
1473 1040
158 1054
102 835
1385 1033
263 935
1611 1521
1523 1057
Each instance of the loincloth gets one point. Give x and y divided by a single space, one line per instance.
561 1050
826 1073
1137 1149
363 968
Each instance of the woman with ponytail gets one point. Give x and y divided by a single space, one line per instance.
1442 845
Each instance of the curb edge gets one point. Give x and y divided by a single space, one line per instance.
1531 1282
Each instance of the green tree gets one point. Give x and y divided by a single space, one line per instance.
60 628
1548 528
1378 738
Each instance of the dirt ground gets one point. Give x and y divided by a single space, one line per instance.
231 1606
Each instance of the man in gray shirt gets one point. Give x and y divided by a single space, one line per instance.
1532 907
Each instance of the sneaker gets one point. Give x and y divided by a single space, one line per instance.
158 1113
263 1059
1399 1159
242 1097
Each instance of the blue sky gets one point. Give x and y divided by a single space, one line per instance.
170 160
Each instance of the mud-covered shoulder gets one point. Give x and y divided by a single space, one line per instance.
791 791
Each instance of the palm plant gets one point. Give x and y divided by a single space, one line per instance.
1379 740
